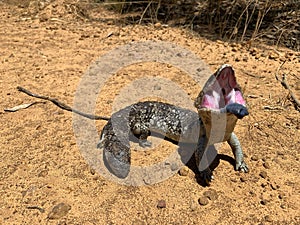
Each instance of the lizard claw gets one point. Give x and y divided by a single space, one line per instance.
145 143
206 177
242 166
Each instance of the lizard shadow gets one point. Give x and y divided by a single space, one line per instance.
192 165
186 152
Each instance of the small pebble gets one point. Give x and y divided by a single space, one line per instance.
193 205
203 200
252 193
23 193
253 52
243 179
184 171
264 185
266 165
43 173
275 186
263 174
263 202
97 177
234 180
263 55
157 87
92 171
280 153
273 56
245 58
58 211
161 204
284 206
268 218
254 158
211 194
157 25
281 195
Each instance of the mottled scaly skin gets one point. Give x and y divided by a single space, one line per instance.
141 119
175 123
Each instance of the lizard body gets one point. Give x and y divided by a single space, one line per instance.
141 119
220 95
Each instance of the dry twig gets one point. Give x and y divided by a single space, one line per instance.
143 14
278 69
19 107
285 84
251 74
61 105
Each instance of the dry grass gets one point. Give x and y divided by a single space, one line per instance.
277 22
240 20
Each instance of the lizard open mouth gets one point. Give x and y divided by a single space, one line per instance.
221 90
221 100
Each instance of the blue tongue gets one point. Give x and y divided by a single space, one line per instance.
237 109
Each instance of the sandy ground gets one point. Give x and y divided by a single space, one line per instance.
41 165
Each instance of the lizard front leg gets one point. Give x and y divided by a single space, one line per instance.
142 131
235 145
143 142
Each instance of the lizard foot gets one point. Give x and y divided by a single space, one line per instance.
145 143
206 177
242 166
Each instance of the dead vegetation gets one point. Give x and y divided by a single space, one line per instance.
277 22
274 22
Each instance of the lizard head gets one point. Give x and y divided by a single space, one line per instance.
220 90
221 94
